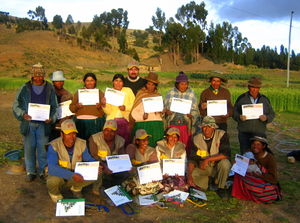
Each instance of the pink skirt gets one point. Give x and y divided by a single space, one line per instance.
123 129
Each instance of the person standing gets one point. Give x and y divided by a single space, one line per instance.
216 92
252 127
35 133
133 79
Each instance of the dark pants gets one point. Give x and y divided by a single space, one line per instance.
222 126
244 139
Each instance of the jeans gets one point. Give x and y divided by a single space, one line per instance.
244 139
35 146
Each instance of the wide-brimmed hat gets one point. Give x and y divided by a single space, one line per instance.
110 124
172 131
255 82
209 121
57 76
133 64
68 126
182 77
152 77
217 74
38 70
141 134
260 139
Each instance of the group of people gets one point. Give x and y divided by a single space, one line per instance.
100 130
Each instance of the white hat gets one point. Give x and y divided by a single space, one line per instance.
57 76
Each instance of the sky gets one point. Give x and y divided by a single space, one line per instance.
263 22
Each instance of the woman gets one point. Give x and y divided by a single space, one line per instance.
121 113
89 119
186 123
151 122
259 187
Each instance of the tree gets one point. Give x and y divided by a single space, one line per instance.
159 22
57 22
39 15
69 20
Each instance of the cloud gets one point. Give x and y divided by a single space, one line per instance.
266 10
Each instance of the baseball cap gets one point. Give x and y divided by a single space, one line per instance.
68 126
110 124
141 134
173 130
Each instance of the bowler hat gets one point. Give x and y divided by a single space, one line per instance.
152 77
254 82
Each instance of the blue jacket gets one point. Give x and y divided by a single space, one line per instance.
20 106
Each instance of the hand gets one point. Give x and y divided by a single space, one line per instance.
107 171
168 112
48 121
98 105
77 178
243 118
103 101
79 105
204 164
145 116
27 117
190 181
122 107
263 118
203 105
100 170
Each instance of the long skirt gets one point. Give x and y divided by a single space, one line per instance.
153 128
254 189
88 127
185 137
123 129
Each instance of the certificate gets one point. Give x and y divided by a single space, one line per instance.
197 194
182 106
241 165
216 107
148 199
63 109
70 207
88 170
38 112
153 104
119 163
118 195
149 173
88 96
114 97
174 167
176 195
253 111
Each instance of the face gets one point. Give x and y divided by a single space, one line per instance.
182 86
208 131
172 139
69 139
58 84
109 134
133 73
257 147
150 86
118 84
38 80
215 83
253 91
142 143
90 83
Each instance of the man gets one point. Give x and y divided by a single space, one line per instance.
210 157
103 144
216 92
63 153
133 80
58 81
247 129
35 132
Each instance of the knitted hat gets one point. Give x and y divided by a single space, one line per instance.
152 77
68 126
182 77
110 124
254 82
209 121
57 76
38 70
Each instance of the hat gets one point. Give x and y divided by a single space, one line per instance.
209 121
152 77
68 126
172 131
110 124
254 82
182 77
217 74
141 134
260 139
133 64
38 70
57 76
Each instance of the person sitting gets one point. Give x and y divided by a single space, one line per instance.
62 155
210 156
260 187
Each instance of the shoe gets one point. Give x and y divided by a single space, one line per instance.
222 193
30 177
43 178
56 198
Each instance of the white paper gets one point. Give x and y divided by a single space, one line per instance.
241 165
178 195
119 163
253 111
147 199
114 97
149 173
216 107
182 106
173 167
153 104
88 170
118 195
63 109
88 96
198 194
38 112
70 207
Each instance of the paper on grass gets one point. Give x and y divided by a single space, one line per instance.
70 207
118 195
198 194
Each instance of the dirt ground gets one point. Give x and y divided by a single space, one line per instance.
29 202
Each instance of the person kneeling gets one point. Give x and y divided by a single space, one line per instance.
63 153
